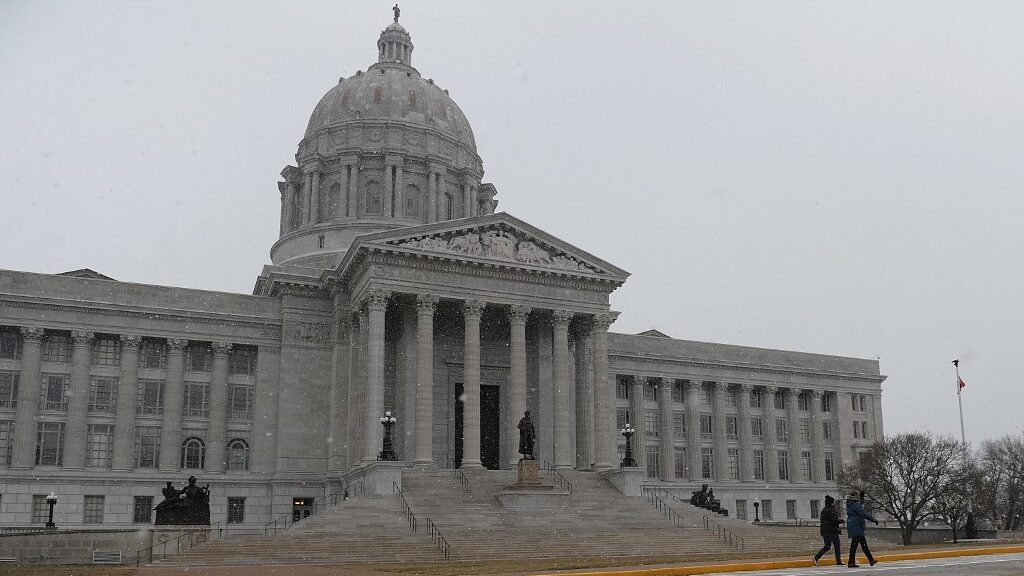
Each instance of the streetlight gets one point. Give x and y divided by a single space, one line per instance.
51 499
757 505
388 452
628 432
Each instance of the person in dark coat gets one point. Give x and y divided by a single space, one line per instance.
856 527
830 523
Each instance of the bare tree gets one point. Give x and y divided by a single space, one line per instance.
903 476
1003 462
958 497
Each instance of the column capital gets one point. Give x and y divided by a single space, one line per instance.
667 383
561 317
473 308
221 348
746 388
639 380
426 303
721 387
518 313
377 299
31 334
771 389
603 320
82 338
130 341
177 344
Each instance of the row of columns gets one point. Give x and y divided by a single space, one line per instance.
76 423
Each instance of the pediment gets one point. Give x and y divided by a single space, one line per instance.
496 239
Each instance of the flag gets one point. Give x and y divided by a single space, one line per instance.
962 383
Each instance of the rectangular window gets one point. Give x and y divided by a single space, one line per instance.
10 343
6 441
805 430
197 397
829 467
57 348
815 509
621 417
99 445
755 398
653 470
8 389
50 444
864 430
730 427
781 434
143 510
236 510
103 395
741 509
730 399
53 397
40 509
153 354
707 462
151 398
678 392
106 351
650 392
826 402
680 461
755 427
805 465
803 402
780 400
856 429
651 423
863 405
783 465
766 509
826 430
147 446
790 509
705 426
734 464
705 395
242 361
199 358
621 388
758 464
92 512
679 425
240 403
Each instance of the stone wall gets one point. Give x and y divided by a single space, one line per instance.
74 546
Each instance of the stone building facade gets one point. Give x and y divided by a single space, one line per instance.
395 287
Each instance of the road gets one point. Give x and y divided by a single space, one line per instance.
995 565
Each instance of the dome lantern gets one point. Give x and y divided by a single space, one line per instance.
395 44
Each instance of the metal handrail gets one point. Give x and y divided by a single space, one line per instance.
723 533
459 475
563 482
177 543
409 516
662 506
288 518
439 540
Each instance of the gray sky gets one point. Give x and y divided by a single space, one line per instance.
833 177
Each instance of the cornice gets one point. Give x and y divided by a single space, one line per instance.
759 368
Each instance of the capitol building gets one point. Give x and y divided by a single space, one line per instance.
396 285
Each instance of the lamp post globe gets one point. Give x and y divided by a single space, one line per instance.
51 499
628 460
387 452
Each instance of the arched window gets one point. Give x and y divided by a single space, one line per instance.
412 201
193 453
238 455
373 197
449 205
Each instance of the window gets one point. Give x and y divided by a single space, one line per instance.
147 446
856 429
240 403
805 465
193 453
826 402
653 470
52 393
6 441
679 425
815 509
57 348
705 426
790 509
766 509
621 389
863 403
864 430
758 464
449 206
238 455
10 343
706 462
99 445
92 511
197 397
199 358
50 444
780 400
678 392
783 465
153 354
803 402
730 427
734 464
242 361
412 200
40 509
680 461
781 434
236 510
373 197
705 395
755 398
106 351
143 510
755 427
8 390
730 398
621 417
805 430
651 423
151 398
826 430
741 509
103 395
650 392
829 467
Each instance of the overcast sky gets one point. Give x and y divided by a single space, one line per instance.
833 177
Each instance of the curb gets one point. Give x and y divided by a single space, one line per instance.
777 564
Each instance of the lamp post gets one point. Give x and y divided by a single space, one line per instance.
51 499
757 505
388 452
628 461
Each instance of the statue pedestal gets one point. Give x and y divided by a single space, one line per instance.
530 491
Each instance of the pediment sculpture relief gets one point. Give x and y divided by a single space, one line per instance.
500 245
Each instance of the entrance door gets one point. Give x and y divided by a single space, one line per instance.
490 426
301 508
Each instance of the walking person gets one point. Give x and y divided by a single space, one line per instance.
856 527
830 529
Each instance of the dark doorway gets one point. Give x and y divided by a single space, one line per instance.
490 427
457 453
301 508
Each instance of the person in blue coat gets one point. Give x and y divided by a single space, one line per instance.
856 527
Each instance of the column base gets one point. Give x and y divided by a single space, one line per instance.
471 466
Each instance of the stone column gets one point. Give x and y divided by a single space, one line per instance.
376 304
432 201
817 445
307 193
338 450
358 389
746 438
426 304
467 201
442 213
693 440
399 190
25 428
471 309
389 190
517 375
721 447
215 441
353 191
842 427
636 418
793 426
668 465
124 422
78 404
314 197
289 207
771 456
586 440
174 398
564 455
605 434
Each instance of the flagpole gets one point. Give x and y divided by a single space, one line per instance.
959 400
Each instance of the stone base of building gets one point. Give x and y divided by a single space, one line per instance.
625 480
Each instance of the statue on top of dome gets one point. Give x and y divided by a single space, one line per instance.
398 12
